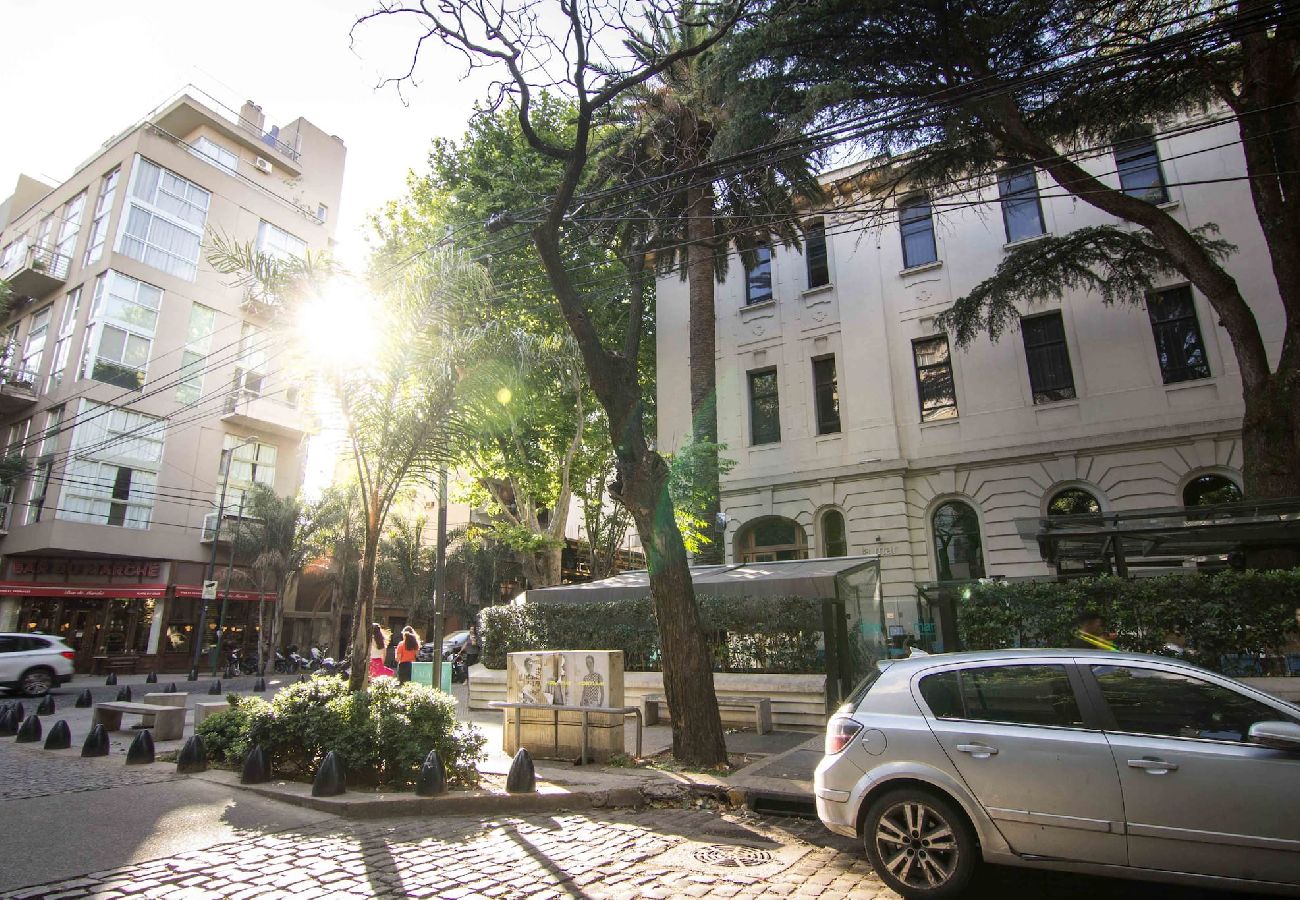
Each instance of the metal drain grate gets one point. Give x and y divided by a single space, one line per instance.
731 856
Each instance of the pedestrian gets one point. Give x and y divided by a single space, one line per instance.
378 643
1090 632
473 647
408 648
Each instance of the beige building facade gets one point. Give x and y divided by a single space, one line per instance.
858 428
133 370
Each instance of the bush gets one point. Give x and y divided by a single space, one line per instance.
744 634
1210 616
382 734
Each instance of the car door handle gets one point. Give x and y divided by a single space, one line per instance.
1152 765
979 751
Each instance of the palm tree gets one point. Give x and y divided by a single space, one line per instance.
406 563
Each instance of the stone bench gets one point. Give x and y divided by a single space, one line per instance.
762 707
168 722
162 699
208 708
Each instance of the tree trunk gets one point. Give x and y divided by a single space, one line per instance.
365 612
1270 436
545 567
703 368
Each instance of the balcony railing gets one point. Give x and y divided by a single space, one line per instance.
35 270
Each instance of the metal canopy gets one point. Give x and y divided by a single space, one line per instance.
814 578
1163 537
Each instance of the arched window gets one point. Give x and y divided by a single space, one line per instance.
768 540
958 551
834 540
1210 489
1073 502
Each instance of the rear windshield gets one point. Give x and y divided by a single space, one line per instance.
859 691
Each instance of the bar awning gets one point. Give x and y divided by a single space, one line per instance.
117 591
195 592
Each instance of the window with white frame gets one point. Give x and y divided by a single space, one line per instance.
163 225
34 347
68 228
250 374
120 332
103 209
16 441
112 472
916 224
39 487
278 243
211 152
198 341
63 343
251 463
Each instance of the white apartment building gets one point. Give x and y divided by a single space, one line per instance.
858 428
132 370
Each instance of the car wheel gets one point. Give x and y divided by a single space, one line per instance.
36 682
920 844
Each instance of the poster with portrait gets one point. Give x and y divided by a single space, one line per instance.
527 679
593 678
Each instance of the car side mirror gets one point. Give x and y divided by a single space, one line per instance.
1277 735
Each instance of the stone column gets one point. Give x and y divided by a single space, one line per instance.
156 626
9 608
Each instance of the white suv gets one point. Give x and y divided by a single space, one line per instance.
34 663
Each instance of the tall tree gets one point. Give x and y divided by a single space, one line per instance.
406 564
1039 83
586 57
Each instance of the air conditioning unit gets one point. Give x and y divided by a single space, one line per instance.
262 165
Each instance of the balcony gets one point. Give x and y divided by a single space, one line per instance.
17 389
247 410
230 523
35 271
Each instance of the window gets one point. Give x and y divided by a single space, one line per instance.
278 243
1073 502
958 550
772 539
67 325
34 348
211 152
764 408
1170 704
1050 376
1179 347
322 212
1210 489
39 487
251 464
123 317
827 395
758 277
16 444
1139 167
935 389
916 223
68 228
1020 695
814 251
112 471
198 341
1022 215
834 542
163 226
103 209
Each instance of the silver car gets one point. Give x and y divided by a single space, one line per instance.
1077 760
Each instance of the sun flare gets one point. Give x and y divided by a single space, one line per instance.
340 327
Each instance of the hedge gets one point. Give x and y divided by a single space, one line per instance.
1210 616
744 634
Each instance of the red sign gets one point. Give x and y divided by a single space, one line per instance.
121 591
195 592
95 568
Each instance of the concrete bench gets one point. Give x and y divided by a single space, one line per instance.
762 707
168 721
208 708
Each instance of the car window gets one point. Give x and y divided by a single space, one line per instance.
1171 704
1018 694
35 643
10 643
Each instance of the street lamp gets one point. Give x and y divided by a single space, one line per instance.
227 455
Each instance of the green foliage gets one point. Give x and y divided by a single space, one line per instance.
744 634
1210 616
382 733
13 467
690 489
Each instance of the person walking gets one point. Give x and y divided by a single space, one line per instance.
408 648
378 643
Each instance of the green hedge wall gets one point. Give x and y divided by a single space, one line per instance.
745 634
1210 616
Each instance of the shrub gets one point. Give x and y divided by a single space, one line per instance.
1210 616
382 734
744 634
225 734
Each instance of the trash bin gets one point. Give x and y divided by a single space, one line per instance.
422 673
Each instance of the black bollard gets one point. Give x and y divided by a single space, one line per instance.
331 778
523 777
96 743
8 725
216 687
171 688
46 707
59 738
140 752
259 686
256 769
19 712
111 680
84 699
193 756
433 777
30 731
152 679
124 694
193 676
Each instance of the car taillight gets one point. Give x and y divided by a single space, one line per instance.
839 733
67 654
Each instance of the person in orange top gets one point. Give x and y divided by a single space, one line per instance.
408 648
